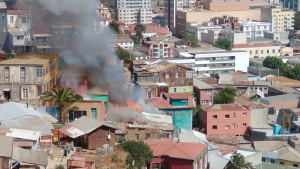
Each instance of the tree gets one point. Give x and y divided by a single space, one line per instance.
225 96
238 162
297 21
273 62
140 153
139 29
62 96
193 38
115 26
223 43
123 54
196 115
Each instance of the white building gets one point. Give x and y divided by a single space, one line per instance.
196 29
20 19
132 12
236 37
255 29
223 62
125 43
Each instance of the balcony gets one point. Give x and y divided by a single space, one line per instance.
216 67
222 60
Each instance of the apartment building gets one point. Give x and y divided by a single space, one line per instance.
3 24
125 43
133 11
260 50
291 4
281 18
103 11
26 76
225 119
255 29
171 6
196 29
230 5
227 22
236 37
215 62
202 15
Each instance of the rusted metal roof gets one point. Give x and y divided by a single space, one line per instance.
6 146
183 95
78 163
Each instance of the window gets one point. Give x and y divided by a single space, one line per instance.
273 50
39 90
227 127
245 114
93 113
22 74
20 37
174 90
233 116
6 74
295 165
189 74
244 124
263 160
136 136
256 52
207 91
39 72
278 50
204 101
227 116
215 116
176 75
267 51
167 76
164 165
262 51
250 52
155 165
281 163
215 127
149 95
233 126
272 161
147 136
24 21
24 93
2 17
11 19
3 29
169 113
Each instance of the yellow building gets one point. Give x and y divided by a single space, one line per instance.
286 51
260 50
281 18
288 156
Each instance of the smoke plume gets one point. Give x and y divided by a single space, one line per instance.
95 52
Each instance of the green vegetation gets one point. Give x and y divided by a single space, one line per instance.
193 38
139 29
140 154
123 54
284 69
62 96
196 115
60 166
238 162
115 26
297 21
225 96
223 43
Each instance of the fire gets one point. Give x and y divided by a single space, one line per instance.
133 105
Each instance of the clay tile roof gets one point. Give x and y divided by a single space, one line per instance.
224 107
252 45
162 103
187 151
244 82
229 139
18 12
237 73
184 95
210 81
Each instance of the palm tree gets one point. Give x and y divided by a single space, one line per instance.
139 29
62 96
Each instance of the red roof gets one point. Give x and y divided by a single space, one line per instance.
188 151
162 103
184 95
18 12
247 45
78 164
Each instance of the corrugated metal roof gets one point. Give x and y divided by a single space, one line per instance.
24 134
78 163
3 5
160 118
71 131
201 85
268 146
19 111
272 155
6 146
30 156
289 154
218 162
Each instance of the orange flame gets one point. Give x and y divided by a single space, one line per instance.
133 105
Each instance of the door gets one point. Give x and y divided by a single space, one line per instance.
71 115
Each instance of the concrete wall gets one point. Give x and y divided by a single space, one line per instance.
3 25
181 118
181 89
259 116
261 52
154 133
254 159
282 104
230 5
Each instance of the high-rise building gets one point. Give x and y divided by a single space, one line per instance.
134 11
171 6
281 18
3 24
291 4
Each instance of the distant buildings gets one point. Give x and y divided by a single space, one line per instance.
103 11
159 20
197 29
3 25
260 50
225 119
281 18
133 12
125 43
204 92
236 37
20 19
255 29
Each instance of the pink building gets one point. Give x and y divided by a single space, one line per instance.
204 92
225 119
